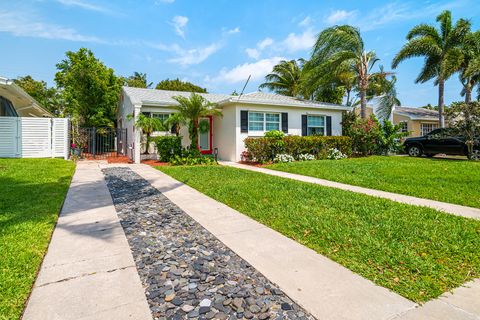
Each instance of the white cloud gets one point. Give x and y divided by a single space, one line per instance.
233 31
298 42
265 43
84 5
252 53
193 56
240 73
256 52
179 23
305 22
21 25
340 16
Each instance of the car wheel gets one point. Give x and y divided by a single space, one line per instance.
475 155
414 151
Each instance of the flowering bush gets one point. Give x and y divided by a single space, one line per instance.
282 157
246 156
306 157
335 154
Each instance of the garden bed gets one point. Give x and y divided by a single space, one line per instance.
417 252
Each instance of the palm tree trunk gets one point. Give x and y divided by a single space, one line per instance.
363 103
468 92
441 103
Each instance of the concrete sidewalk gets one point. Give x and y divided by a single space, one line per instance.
88 272
454 209
324 288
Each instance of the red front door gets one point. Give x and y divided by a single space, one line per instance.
205 138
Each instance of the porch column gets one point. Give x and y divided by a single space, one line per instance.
138 135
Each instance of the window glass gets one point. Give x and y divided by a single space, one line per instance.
272 121
256 121
315 125
6 108
426 128
403 126
161 116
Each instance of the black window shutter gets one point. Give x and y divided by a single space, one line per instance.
304 124
243 121
285 122
329 126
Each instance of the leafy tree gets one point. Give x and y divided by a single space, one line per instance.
47 97
464 119
339 49
190 110
430 107
91 89
138 80
178 85
470 66
285 78
441 48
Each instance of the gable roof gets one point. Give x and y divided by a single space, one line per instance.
23 103
165 98
417 113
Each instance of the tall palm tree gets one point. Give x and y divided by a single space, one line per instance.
190 110
340 46
470 67
441 48
285 78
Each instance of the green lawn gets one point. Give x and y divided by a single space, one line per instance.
415 251
31 195
444 180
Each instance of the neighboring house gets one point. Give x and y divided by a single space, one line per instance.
27 129
15 102
416 121
250 115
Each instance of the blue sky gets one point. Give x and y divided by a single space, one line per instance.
215 44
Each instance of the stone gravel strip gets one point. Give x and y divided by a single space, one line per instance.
186 271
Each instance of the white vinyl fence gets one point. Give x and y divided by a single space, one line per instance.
34 137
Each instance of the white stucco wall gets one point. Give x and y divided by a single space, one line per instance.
294 122
224 129
126 108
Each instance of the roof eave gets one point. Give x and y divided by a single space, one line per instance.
270 103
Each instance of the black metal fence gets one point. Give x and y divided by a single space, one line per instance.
102 143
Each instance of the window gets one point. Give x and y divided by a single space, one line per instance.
263 121
316 125
6 108
403 126
426 128
161 116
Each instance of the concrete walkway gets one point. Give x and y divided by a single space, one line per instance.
321 286
455 209
88 272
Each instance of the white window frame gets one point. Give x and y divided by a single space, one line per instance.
430 125
324 123
264 122
167 114
403 126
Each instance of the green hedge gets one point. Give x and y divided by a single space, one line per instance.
168 147
264 149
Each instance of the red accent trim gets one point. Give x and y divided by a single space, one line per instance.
209 151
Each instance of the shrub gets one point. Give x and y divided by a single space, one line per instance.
335 154
265 149
191 161
274 134
282 157
168 147
305 157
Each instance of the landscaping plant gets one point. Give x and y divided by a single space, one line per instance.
335 154
305 157
281 157
168 147
464 120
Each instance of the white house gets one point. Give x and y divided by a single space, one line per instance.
249 115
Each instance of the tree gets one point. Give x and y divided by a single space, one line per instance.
90 88
341 48
47 97
441 49
149 125
470 66
190 110
178 85
138 80
464 120
285 78
388 99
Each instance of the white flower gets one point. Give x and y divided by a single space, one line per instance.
335 154
306 157
281 157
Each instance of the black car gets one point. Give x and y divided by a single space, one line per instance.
439 141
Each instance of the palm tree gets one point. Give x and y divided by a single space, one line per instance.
388 100
285 78
139 80
470 67
441 50
190 110
341 47
148 126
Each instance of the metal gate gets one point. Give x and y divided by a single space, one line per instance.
102 143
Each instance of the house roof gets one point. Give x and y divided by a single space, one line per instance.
23 103
165 98
417 113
